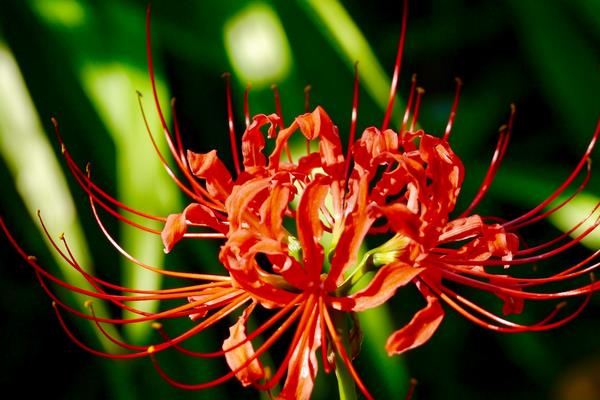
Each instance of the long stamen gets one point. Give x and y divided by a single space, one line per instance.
161 271
307 90
193 194
563 186
248 338
502 144
453 110
393 86
247 105
413 124
280 115
411 95
353 119
299 336
230 124
151 70
280 330
79 175
179 152
327 365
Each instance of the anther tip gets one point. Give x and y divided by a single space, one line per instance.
458 81
139 94
226 75
151 349
54 122
61 236
156 325
32 258
87 304
63 148
560 305
502 128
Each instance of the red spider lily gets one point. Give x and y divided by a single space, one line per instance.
293 231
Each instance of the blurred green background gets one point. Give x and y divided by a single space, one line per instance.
82 62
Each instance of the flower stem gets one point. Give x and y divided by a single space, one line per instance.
346 385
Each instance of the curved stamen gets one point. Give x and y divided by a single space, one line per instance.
231 126
393 86
246 105
413 124
248 338
79 175
411 95
502 144
453 110
281 121
179 152
563 186
161 271
276 335
198 192
353 119
302 330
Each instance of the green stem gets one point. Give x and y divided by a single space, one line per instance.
346 385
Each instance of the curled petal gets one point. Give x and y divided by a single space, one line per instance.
372 144
318 124
253 141
209 167
241 354
462 228
177 224
420 328
173 231
206 301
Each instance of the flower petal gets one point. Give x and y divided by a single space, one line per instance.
303 365
177 224
420 328
356 227
309 225
209 167
383 286
253 140
319 124
239 355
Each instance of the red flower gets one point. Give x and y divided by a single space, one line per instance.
293 230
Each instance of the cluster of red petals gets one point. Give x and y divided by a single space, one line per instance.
403 185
